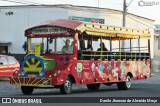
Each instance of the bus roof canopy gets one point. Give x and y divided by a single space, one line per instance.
95 29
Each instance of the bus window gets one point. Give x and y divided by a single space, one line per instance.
41 41
61 45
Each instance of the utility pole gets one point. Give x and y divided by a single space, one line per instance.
124 13
124 18
124 22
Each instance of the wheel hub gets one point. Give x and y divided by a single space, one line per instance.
68 85
128 82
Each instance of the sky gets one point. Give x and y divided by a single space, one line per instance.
146 8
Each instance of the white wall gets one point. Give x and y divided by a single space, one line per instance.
12 27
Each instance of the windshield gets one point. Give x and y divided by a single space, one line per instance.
52 45
61 45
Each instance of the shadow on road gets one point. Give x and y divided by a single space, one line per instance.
75 92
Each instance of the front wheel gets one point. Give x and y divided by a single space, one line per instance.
27 90
66 88
125 85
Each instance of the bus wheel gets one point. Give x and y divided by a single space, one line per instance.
27 90
93 87
125 85
66 88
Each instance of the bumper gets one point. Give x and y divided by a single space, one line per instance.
37 82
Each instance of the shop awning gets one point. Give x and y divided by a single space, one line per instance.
5 43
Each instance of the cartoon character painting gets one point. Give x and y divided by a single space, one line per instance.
135 69
139 69
115 71
144 69
93 68
101 68
108 68
123 70
79 69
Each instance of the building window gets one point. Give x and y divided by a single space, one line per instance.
3 49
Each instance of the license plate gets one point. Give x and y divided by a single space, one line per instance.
32 76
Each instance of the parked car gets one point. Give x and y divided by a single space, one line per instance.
8 64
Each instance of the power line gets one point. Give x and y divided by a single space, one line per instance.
129 3
33 2
134 8
76 2
14 2
24 2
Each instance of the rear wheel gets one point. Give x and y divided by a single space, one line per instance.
27 90
93 87
66 88
125 85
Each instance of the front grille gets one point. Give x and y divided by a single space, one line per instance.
23 81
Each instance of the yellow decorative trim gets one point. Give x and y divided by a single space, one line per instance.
39 81
27 84
37 64
13 80
28 80
42 85
23 80
34 80
28 64
19 80
103 30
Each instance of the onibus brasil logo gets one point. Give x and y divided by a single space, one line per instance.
147 3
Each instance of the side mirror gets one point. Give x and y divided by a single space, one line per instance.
1 63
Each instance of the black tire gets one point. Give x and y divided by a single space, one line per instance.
124 85
66 88
93 87
27 90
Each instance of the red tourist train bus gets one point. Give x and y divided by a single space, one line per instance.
57 56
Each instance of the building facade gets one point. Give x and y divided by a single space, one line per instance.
156 62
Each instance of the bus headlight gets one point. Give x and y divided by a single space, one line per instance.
22 73
41 74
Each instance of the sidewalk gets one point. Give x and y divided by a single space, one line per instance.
154 79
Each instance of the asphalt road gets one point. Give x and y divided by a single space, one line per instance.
145 88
